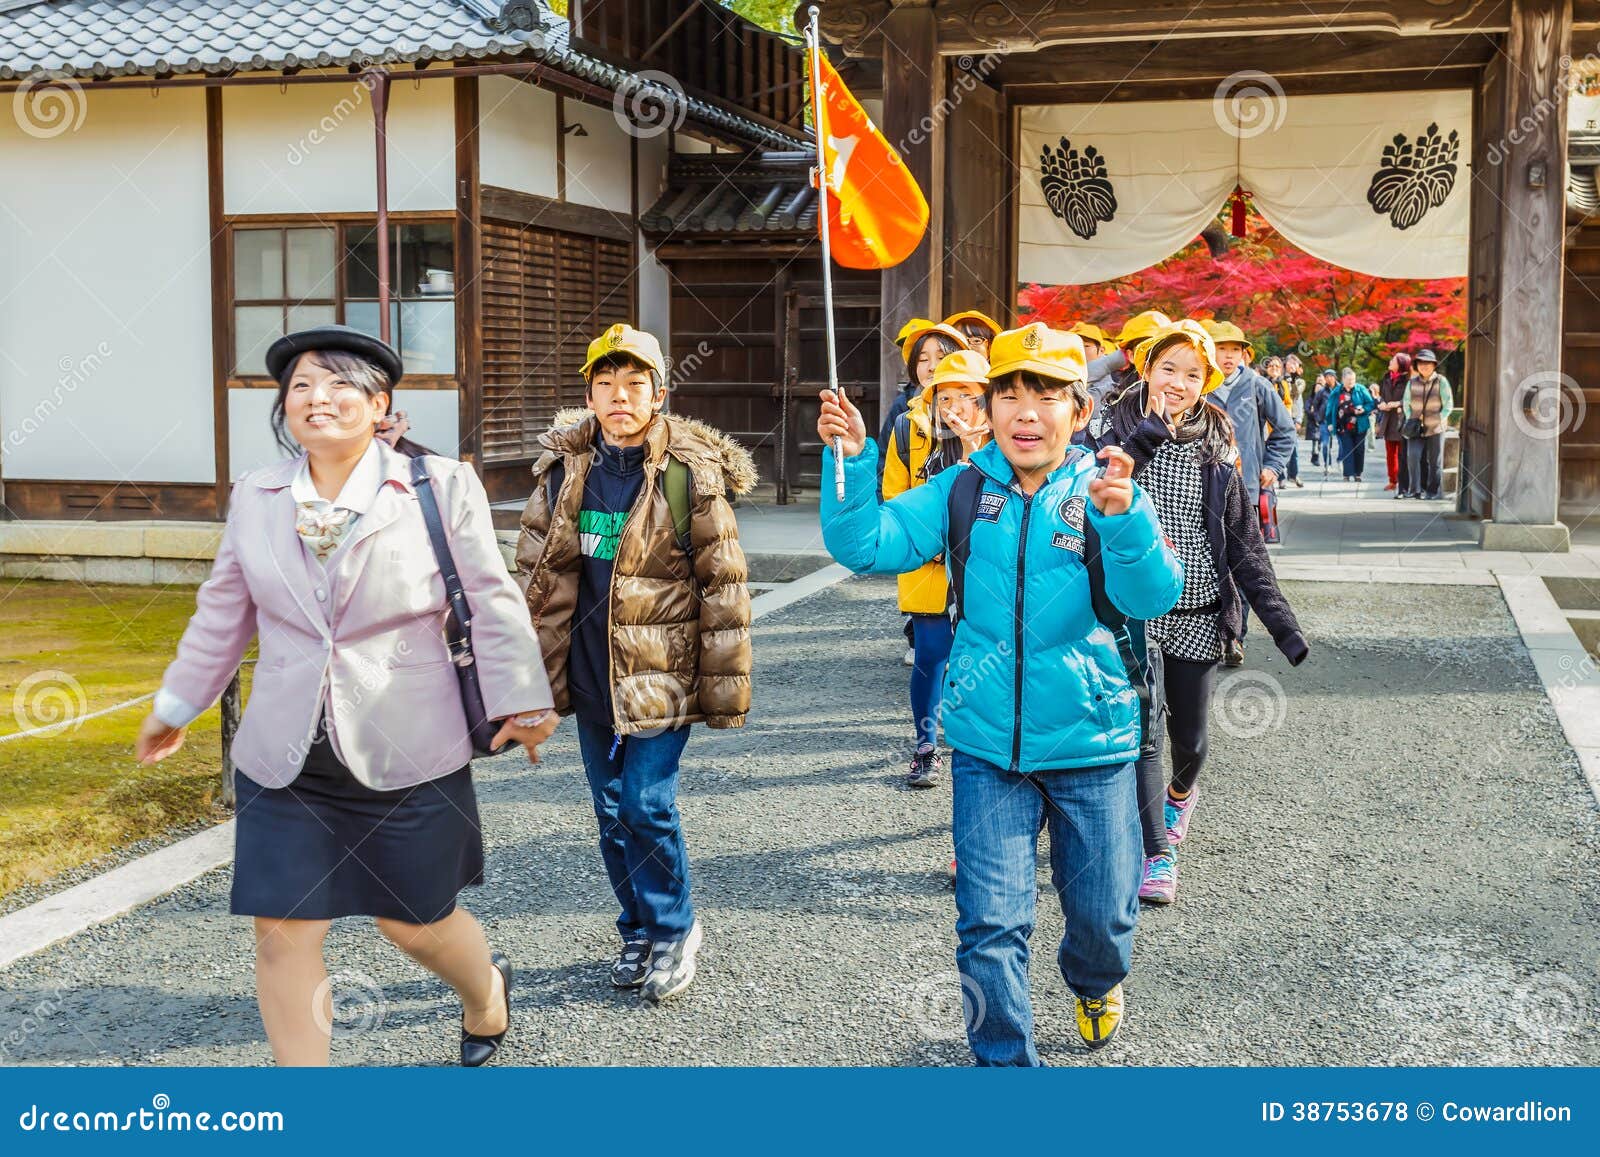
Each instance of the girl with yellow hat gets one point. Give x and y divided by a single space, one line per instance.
1184 458
942 427
977 327
922 343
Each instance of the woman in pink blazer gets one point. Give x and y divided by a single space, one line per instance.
354 792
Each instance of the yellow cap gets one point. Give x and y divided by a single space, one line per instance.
962 368
1141 326
955 319
1222 331
624 339
1090 332
1192 332
911 327
1038 349
910 337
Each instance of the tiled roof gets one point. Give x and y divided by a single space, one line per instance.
105 38
734 193
118 37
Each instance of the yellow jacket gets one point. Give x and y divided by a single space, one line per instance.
925 590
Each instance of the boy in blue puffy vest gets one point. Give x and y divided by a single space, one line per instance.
1044 723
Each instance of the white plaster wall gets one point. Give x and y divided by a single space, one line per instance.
309 148
599 165
517 136
105 296
655 296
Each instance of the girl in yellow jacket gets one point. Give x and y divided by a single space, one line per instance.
943 425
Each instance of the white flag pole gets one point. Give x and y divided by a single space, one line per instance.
814 41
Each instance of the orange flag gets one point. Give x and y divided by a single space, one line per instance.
876 213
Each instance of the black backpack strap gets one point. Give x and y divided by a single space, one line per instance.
962 512
458 627
902 438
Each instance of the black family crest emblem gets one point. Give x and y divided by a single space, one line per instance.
1076 187
1414 177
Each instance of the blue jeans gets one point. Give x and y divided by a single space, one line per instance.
931 638
1095 864
635 795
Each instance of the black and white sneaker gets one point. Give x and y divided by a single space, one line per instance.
671 966
925 768
631 964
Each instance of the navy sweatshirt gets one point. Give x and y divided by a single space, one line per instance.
609 491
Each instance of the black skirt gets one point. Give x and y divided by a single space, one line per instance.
327 845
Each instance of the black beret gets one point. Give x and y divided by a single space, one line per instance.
282 353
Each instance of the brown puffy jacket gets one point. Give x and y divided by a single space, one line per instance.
679 626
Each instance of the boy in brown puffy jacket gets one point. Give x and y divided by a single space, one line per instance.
630 558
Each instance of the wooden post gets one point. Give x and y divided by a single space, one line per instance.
221 286
913 85
1531 247
469 271
380 124
1475 478
230 709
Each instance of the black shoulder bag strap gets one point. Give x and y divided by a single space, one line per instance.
458 623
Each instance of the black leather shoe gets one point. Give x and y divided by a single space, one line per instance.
476 1050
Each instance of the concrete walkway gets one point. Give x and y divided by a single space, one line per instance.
1338 524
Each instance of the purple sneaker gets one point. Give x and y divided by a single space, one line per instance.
1160 884
1178 814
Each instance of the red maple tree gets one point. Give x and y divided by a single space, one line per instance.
1285 299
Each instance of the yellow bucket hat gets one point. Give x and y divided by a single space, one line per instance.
1195 335
955 319
1222 331
624 339
1090 332
966 368
910 337
1141 326
1038 349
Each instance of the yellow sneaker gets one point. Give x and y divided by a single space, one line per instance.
1099 1019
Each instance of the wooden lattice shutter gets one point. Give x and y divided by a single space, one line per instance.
503 329
546 293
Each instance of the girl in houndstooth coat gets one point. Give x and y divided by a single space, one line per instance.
1182 448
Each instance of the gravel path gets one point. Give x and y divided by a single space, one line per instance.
1390 866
